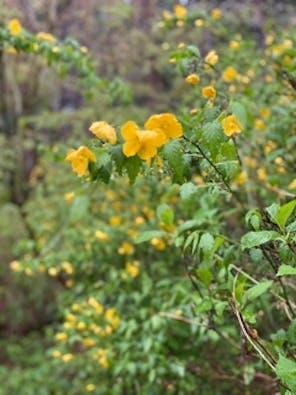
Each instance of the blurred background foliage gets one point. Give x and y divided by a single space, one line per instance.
69 266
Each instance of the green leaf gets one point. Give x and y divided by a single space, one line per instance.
258 290
286 270
286 371
173 153
253 239
188 190
284 213
165 214
132 166
239 111
206 242
148 235
79 208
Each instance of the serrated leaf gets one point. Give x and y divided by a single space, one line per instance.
258 290
165 214
173 153
286 270
253 239
149 235
239 111
133 166
286 371
188 190
284 213
206 242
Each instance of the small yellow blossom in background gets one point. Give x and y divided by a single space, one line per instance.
279 161
250 162
180 23
112 317
139 220
261 173
104 131
269 146
292 184
53 272
193 111
88 342
103 361
265 112
180 11
80 159
181 45
209 92
211 58
132 268
229 74
165 46
45 37
81 326
76 307
70 318
96 305
166 14
216 13
56 49
234 45
69 283
241 179
269 39
69 196
14 27
90 387
11 50
158 243
84 49
56 354
126 248
143 143
166 125
198 22
172 60
232 89
231 125
67 267
192 79
259 124
101 236
15 266
115 220
61 337
67 357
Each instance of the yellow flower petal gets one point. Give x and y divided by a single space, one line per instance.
231 125
165 123
104 131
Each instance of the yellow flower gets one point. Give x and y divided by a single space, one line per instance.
211 58
166 14
80 159
101 235
69 196
56 354
216 13
90 387
104 131
67 267
67 357
292 184
229 74
139 220
166 125
259 124
261 173
192 79
104 362
132 268
81 326
180 11
143 143
61 337
269 146
115 220
15 266
209 92
180 23
231 125
112 317
241 178
11 50
265 112
126 248
84 49
45 37
52 271
158 243
198 22
96 305
234 45
14 27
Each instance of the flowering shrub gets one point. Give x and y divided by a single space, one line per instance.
178 273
